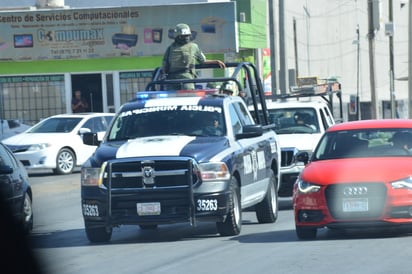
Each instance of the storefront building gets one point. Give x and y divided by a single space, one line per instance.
109 53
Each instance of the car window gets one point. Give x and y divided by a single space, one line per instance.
57 124
95 124
294 120
243 114
107 120
234 118
365 143
168 120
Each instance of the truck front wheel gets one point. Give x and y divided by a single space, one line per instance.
233 223
267 209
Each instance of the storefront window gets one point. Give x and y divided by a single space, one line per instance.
32 98
131 82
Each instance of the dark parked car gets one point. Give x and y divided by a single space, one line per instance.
15 189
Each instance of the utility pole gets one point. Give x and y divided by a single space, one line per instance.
273 49
371 38
391 64
410 59
283 73
358 110
295 42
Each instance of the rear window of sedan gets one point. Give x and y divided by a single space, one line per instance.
365 143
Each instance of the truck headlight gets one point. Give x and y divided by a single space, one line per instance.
305 187
214 171
92 176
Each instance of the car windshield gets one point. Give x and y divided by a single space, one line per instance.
193 120
294 120
365 143
56 125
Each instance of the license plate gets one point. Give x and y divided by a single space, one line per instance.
144 209
355 205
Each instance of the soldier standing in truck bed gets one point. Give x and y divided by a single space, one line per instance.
181 57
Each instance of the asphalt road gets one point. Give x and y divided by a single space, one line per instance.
60 243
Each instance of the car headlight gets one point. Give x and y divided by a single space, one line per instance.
305 187
403 183
36 147
92 176
213 171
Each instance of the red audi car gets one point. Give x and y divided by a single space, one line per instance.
360 175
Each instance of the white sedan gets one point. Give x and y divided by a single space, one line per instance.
56 142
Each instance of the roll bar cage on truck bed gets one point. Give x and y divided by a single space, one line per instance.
311 86
243 74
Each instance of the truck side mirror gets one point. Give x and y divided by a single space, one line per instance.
250 131
302 156
90 139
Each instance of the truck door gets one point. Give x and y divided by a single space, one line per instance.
252 157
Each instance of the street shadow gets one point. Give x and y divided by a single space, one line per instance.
127 234
57 239
48 172
323 234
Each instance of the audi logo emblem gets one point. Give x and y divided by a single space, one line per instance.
355 190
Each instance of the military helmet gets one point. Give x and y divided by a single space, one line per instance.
227 87
182 29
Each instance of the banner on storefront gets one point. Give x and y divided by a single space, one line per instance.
113 32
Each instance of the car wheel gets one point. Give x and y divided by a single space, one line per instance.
65 162
147 227
267 210
98 234
233 222
27 216
306 233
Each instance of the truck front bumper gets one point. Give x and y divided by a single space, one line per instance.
155 206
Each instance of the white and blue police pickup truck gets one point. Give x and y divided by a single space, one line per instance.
173 156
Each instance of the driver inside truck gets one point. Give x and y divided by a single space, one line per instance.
304 119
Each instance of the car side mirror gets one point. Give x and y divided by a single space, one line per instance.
250 131
5 169
302 156
90 139
84 130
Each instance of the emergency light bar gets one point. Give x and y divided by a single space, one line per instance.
146 95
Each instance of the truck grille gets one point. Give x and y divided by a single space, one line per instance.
356 200
288 156
159 173
167 181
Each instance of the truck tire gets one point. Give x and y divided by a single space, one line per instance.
267 210
27 214
65 162
233 223
97 234
306 233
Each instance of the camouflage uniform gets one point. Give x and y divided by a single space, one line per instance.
181 57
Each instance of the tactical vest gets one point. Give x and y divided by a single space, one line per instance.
180 59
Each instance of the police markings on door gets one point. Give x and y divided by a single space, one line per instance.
254 162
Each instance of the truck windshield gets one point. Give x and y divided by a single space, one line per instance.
192 120
294 120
